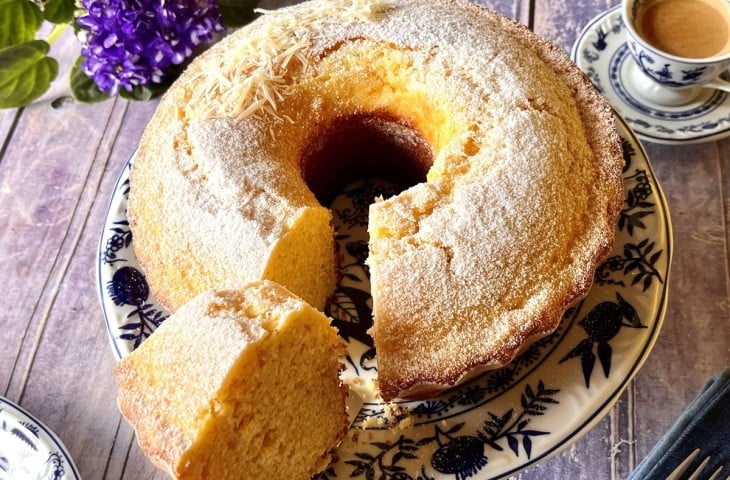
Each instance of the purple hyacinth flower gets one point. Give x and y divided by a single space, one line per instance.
128 43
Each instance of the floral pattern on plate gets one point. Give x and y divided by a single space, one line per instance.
602 52
29 450
499 423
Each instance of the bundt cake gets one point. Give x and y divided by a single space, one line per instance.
511 162
237 384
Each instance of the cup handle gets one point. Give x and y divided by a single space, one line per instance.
719 84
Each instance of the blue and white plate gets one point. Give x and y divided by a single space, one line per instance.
505 420
602 52
29 450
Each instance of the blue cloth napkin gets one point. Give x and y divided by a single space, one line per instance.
704 424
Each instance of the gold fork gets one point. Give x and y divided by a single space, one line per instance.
695 475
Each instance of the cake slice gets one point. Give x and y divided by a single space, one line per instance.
237 384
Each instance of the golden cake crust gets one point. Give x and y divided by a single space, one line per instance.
539 216
227 368
468 267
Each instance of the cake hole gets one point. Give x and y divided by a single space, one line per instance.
372 145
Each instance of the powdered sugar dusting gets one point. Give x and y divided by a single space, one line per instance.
520 201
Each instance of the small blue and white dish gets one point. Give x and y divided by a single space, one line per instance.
603 52
29 450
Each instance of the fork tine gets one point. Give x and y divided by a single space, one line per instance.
682 467
696 474
716 474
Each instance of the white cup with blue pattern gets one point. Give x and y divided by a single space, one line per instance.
678 47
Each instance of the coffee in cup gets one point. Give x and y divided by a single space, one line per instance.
685 28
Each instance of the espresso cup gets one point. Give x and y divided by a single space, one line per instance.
680 45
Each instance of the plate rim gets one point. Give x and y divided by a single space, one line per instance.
100 289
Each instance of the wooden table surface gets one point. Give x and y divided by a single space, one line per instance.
58 165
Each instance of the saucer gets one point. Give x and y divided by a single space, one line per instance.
29 450
602 52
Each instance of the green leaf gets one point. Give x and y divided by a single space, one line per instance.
83 88
139 92
236 13
19 21
59 11
26 72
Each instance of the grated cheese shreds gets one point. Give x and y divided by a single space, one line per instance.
254 77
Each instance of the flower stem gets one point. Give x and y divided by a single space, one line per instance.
56 33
